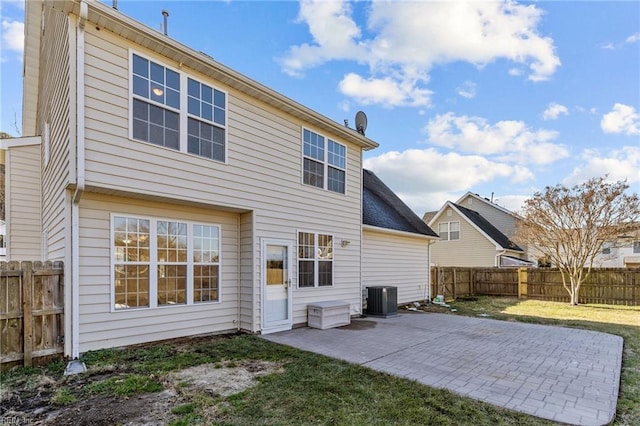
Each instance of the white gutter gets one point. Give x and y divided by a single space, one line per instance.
396 232
75 208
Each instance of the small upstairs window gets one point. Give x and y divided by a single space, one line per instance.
324 162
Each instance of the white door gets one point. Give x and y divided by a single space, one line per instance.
276 286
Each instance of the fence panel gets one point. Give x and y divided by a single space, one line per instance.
496 282
612 286
31 310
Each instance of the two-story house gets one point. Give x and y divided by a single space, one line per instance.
475 232
184 197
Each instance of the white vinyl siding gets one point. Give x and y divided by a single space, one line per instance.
396 260
24 235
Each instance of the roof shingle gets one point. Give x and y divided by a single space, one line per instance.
382 208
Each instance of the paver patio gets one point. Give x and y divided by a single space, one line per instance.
567 375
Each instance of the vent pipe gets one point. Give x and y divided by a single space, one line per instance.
165 13
115 4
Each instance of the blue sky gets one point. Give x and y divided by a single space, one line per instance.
489 97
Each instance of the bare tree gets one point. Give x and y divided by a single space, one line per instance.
568 226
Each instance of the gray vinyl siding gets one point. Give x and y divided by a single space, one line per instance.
472 249
54 108
99 326
262 180
503 221
23 203
396 260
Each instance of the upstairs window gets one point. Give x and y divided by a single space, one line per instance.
207 117
636 246
156 103
449 231
324 162
161 114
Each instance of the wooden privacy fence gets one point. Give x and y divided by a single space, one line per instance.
31 310
613 286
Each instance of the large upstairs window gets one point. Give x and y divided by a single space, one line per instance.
324 162
174 110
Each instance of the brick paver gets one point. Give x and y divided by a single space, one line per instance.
567 375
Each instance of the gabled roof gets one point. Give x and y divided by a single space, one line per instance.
487 228
382 208
486 201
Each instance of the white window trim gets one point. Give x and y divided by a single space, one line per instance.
316 269
183 111
449 230
325 162
46 142
153 263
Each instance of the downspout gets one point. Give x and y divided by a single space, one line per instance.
427 292
75 208
496 261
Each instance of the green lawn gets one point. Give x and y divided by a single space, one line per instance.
305 389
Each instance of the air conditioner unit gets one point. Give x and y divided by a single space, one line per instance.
382 301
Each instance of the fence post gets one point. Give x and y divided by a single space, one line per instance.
27 311
522 283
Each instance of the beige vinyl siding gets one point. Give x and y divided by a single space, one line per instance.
99 326
55 109
249 292
472 249
24 233
502 220
263 172
396 260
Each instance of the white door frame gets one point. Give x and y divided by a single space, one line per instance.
288 322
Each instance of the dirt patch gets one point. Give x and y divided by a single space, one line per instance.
215 381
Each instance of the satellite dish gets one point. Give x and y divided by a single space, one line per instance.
361 122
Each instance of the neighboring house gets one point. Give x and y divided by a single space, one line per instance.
396 243
184 197
622 253
475 232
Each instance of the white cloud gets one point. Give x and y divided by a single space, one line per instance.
13 35
508 140
633 38
407 39
553 111
385 91
334 32
622 119
512 203
468 90
618 164
426 178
